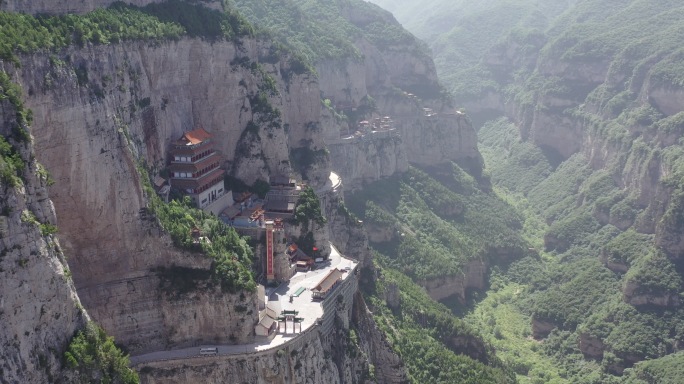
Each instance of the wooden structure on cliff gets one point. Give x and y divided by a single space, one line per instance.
195 168
327 284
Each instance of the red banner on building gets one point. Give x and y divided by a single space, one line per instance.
269 252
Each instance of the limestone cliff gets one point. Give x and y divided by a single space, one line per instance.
39 308
313 357
103 111
310 359
361 160
127 103
346 231
440 137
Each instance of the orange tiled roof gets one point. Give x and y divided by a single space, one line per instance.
329 280
195 136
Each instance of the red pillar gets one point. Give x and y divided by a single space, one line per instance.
270 275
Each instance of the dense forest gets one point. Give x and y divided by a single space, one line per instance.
324 29
579 121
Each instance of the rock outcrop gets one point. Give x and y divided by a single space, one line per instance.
346 231
591 346
314 356
636 295
473 277
361 160
440 138
541 328
300 362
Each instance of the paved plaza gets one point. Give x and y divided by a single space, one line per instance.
278 299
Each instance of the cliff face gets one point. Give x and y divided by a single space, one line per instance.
367 159
39 308
304 362
311 358
346 231
101 111
389 368
99 108
473 277
432 140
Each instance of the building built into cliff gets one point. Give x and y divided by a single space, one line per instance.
327 284
196 171
282 197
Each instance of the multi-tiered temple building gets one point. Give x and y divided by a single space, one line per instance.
195 171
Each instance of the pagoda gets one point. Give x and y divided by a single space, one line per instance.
195 168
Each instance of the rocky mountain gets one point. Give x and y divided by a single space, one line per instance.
105 107
591 141
368 66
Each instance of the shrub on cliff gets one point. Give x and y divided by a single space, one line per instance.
11 164
92 357
232 256
308 209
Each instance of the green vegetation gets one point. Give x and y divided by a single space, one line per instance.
444 223
20 33
232 256
199 21
627 247
376 215
435 346
569 286
519 166
501 323
11 164
461 32
320 30
605 71
308 210
11 92
92 356
654 273
666 370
